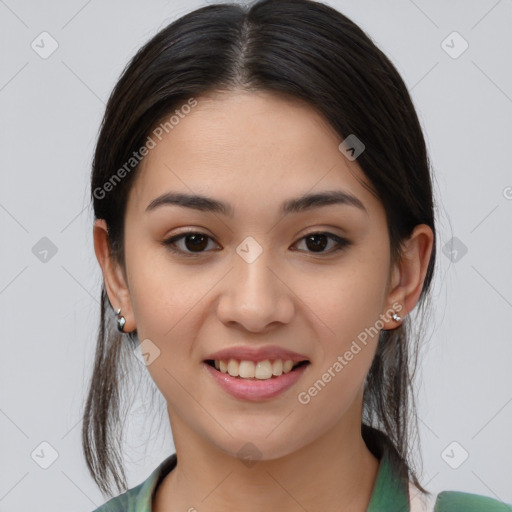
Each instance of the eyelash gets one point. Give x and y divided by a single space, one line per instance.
342 243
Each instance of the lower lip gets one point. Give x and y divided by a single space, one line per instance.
256 390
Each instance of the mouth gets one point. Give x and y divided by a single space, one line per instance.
264 370
274 377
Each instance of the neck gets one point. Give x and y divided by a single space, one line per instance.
334 472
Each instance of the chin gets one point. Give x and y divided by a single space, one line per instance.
250 449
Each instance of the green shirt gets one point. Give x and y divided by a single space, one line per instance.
391 493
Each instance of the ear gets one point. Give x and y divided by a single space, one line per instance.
116 284
408 275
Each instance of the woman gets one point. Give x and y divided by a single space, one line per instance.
265 225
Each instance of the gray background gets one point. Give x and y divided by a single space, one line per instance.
50 114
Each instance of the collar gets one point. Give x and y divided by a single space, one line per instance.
390 491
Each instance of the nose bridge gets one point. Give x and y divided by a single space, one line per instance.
255 296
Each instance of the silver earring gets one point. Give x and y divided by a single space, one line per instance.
396 317
120 320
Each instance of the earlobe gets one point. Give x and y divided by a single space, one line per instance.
409 274
113 275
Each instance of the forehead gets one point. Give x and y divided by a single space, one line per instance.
252 147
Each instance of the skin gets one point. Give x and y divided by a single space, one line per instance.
255 150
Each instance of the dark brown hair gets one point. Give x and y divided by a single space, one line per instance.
305 50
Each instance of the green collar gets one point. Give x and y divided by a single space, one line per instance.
389 493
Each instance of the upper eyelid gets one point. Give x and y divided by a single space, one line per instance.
179 236
341 241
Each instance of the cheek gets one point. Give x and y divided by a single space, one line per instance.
161 293
344 307
166 301
344 300
346 317
334 393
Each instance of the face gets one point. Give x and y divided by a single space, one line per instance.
309 280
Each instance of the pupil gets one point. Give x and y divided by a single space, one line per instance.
317 245
198 241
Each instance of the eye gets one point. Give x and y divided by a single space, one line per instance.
194 243
319 240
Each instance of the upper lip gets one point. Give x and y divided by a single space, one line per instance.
244 353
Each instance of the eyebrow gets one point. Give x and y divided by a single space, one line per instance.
295 205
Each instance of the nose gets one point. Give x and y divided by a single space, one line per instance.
255 295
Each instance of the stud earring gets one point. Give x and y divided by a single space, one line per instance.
396 317
120 320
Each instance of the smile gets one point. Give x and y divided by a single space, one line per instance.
266 386
263 370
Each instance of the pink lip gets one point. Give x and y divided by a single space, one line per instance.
256 390
271 352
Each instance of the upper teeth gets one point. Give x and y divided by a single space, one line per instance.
249 369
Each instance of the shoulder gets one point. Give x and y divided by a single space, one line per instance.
139 498
125 502
455 501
